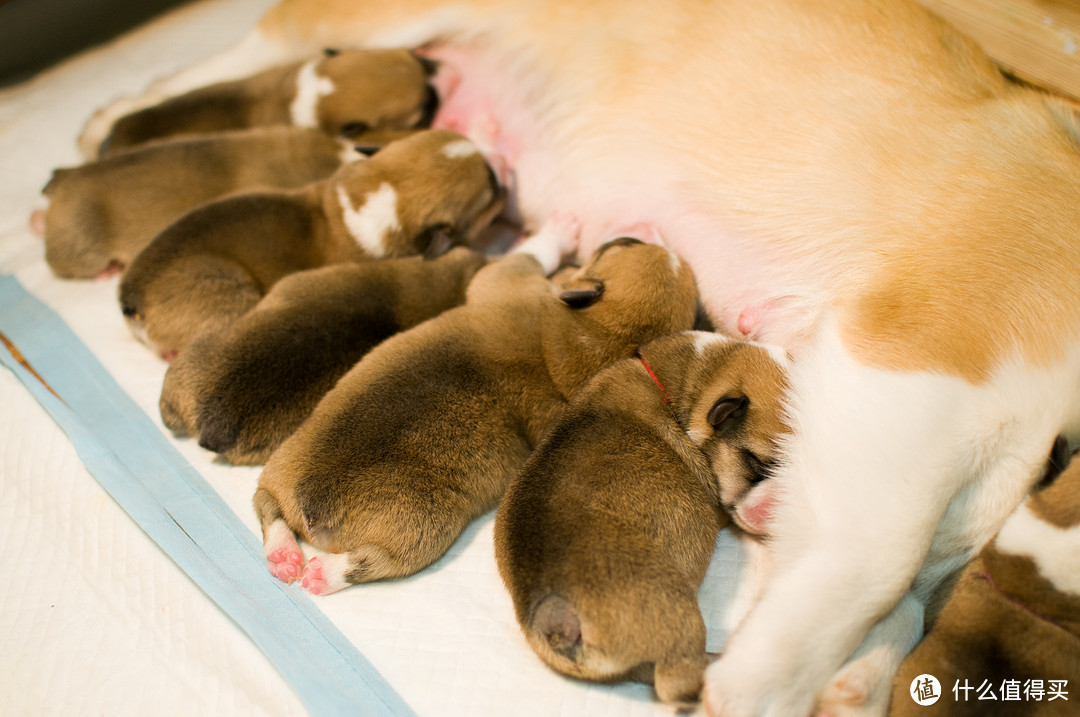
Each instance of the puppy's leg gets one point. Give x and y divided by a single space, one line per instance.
282 552
557 239
863 686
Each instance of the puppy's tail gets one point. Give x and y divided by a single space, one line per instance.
555 626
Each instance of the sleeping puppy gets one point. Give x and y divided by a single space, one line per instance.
101 214
417 195
855 205
1014 615
343 94
243 390
605 535
422 435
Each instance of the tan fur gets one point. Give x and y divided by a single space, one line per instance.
421 436
245 389
1003 621
605 536
377 90
106 211
214 264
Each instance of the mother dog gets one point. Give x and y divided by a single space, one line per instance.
849 178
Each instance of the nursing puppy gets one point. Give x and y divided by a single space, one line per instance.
1014 615
422 435
604 537
343 94
419 194
101 214
243 390
851 180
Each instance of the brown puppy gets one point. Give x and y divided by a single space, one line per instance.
604 537
422 435
101 214
1011 627
343 94
215 263
244 390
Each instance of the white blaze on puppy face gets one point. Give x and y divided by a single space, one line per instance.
310 88
376 218
1055 551
460 148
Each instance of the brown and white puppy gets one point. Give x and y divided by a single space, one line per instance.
852 180
604 537
243 390
419 194
101 214
344 94
1012 622
422 435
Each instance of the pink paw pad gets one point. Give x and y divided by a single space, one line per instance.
314 580
37 222
285 565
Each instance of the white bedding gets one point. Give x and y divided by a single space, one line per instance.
95 617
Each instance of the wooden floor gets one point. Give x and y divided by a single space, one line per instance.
1036 40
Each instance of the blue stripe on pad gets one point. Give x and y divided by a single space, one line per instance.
168 498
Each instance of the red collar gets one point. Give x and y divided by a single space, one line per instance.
652 375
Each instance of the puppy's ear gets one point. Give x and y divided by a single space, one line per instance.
579 293
430 66
439 240
727 413
1060 457
366 149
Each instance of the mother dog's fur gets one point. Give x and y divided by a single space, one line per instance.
848 178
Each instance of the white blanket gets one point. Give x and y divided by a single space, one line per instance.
96 617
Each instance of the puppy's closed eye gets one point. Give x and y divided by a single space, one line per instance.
354 129
727 413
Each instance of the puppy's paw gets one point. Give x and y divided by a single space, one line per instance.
565 231
749 687
37 222
860 689
283 556
285 564
325 574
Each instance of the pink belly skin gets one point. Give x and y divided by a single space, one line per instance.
490 107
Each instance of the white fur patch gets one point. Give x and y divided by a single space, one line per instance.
705 339
1056 551
310 88
676 263
374 220
278 535
460 148
348 153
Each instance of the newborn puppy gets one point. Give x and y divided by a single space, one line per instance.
1013 618
424 192
604 537
101 214
422 435
342 94
244 390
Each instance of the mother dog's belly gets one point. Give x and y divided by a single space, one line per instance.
613 179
